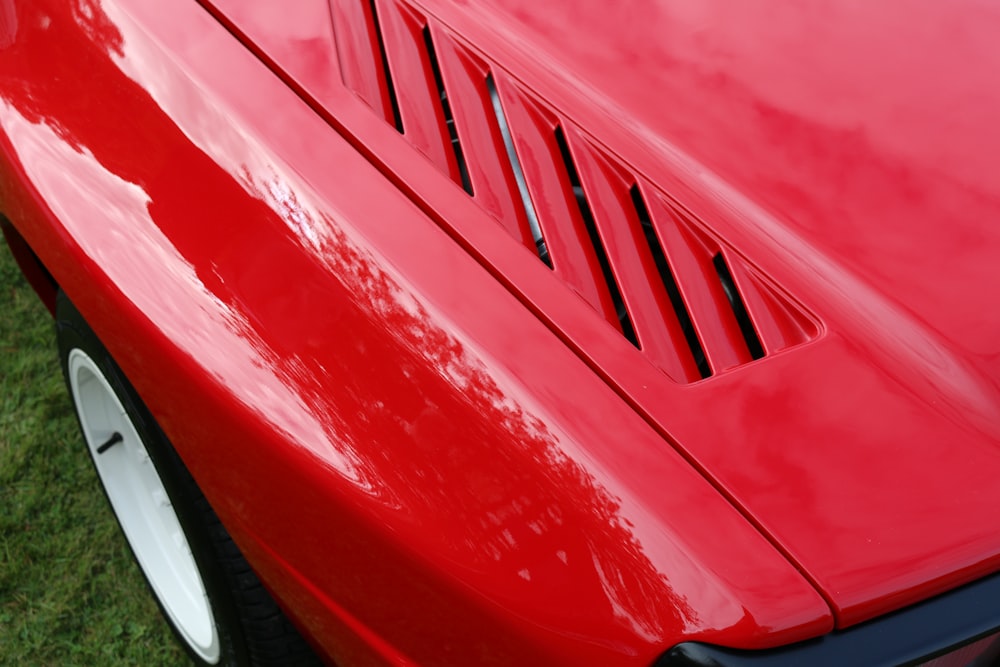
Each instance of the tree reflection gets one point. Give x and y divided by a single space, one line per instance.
413 415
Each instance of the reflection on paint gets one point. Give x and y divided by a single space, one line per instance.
433 428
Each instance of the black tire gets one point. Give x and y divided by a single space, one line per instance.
249 628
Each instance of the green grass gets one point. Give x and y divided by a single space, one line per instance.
70 593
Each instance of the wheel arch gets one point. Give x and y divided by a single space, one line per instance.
34 271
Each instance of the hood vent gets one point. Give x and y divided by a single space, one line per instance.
692 305
449 118
595 251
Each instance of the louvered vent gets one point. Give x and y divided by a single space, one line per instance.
693 306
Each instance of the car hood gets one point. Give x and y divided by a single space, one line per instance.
842 153
848 149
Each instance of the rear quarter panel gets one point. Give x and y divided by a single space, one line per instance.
419 469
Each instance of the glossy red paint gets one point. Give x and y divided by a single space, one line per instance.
383 390
419 468
847 150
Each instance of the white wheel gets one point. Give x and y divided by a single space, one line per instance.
213 601
143 508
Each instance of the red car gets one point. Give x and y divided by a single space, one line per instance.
527 333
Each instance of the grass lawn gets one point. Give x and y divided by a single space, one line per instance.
70 593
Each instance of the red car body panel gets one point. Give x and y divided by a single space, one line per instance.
419 468
401 413
848 151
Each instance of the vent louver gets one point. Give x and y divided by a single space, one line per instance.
692 305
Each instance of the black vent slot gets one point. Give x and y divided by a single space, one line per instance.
397 118
739 308
449 119
667 277
595 238
515 165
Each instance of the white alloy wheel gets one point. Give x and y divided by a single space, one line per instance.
142 506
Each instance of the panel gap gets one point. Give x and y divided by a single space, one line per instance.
449 119
669 283
390 88
739 307
624 320
515 165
